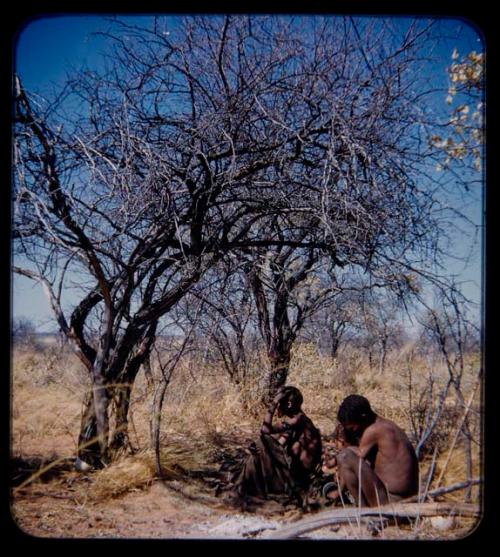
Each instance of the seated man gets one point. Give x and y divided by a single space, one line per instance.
378 463
287 453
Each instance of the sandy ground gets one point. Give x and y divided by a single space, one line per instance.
160 512
64 506
174 510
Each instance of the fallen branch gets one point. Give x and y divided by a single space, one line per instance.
457 433
406 509
444 490
396 510
29 494
177 487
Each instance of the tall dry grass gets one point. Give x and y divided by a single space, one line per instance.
203 407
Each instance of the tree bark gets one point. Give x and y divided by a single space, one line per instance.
276 333
279 361
115 381
120 441
88 445
383 355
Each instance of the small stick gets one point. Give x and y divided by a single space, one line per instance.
407 508
457 433
392 510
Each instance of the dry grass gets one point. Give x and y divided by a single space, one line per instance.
46 402
202 409
133 472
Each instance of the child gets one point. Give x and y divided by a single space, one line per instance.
338 441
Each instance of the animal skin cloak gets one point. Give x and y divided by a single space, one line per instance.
270 470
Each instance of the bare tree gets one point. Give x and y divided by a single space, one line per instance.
335 322
226 329
283 300
453 333
381 320
219 135
141 193
167 369
23 332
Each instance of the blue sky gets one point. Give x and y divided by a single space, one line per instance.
45 50
46 46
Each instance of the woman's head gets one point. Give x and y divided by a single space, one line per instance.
291 401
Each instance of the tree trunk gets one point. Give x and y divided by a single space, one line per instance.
124 384
278 373
383 356
101 411
155 422
148 372
336 329
90 450
120 441
334 347
88 445
93 445
94 449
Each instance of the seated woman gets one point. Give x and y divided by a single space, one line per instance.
287 454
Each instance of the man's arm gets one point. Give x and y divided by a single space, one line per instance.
369 439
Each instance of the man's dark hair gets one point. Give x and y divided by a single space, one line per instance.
355 409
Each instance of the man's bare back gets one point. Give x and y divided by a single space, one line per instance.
379 456
388 450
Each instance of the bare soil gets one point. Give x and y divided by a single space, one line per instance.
60 505
126 502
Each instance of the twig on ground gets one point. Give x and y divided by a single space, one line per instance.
444 490
392 510
408 508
